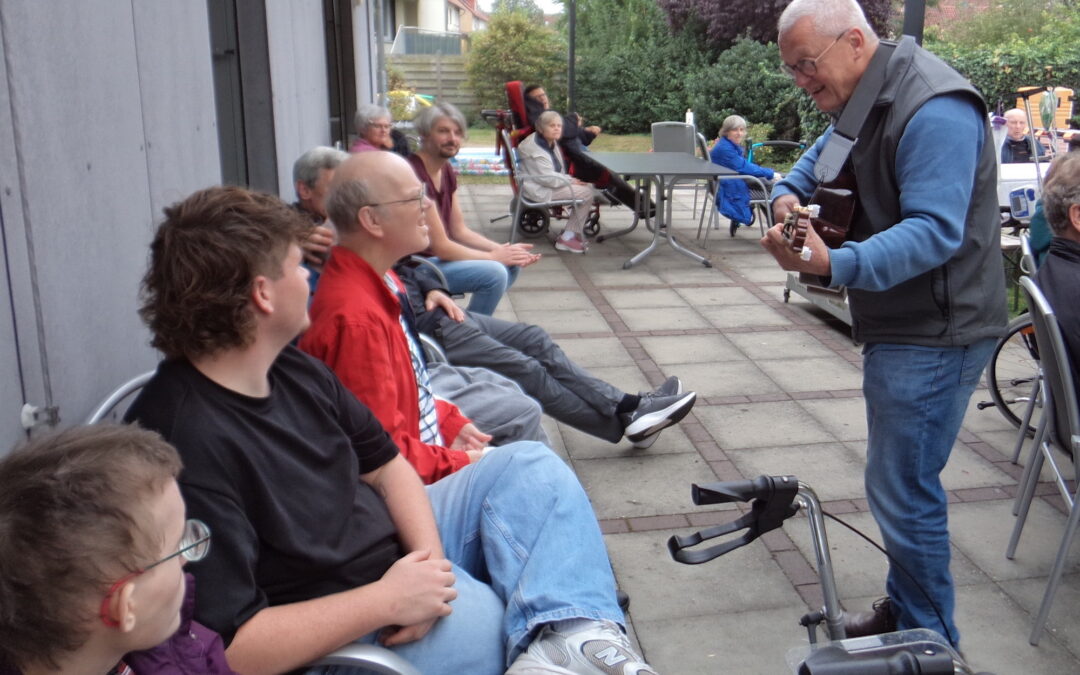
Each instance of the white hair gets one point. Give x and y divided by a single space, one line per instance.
830 17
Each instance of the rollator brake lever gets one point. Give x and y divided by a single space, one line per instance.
772 503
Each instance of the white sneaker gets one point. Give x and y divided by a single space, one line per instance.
599 648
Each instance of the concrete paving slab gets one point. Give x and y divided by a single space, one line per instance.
966 469
633 277
626 378
749 643
982 529
781 344
831 467
640 299
844 418
812 374
662 318
546 279
663 590
718 295
1063 624
567 320
645 485
728 378
583 446
740 316
606 351
689 349
762 425
533 300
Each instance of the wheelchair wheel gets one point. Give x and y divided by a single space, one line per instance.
534 222
592 223
1012 369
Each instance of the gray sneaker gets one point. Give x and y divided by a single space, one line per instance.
600 649
655 413
671 387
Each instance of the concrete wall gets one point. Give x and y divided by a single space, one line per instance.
297 53
106 115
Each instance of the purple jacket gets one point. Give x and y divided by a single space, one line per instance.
193 650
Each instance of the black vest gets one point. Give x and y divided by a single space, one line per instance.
963 300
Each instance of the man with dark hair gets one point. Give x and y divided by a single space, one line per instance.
1059 273
93 545
325 533
922 270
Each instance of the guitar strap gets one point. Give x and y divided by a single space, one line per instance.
846 130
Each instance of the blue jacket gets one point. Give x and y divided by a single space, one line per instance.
733 198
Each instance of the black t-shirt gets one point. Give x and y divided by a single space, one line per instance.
277 481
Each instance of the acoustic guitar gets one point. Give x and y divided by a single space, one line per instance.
830 212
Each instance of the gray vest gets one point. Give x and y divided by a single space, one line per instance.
963 300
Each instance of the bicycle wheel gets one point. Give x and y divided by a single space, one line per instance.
1012 370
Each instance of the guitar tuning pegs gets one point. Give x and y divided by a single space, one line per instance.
815 210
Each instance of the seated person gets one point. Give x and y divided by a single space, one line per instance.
573 140
471 262
312 172
542 158
374 126
358 328
528 355
91 566
325 533
1059 274
733 199
1016 147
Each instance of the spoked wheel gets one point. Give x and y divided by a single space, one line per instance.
592 223
534 222
1012 371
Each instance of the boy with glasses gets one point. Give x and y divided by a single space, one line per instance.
93 539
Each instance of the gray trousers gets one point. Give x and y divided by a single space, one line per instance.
495 404
527 355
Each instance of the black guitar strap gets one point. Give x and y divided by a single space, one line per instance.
845 132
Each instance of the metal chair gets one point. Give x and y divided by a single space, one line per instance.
1056 442
376 658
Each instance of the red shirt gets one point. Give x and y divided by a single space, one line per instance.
356 330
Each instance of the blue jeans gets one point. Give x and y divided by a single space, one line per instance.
487 280
526 550
916 398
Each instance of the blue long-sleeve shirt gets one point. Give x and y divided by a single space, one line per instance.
935 173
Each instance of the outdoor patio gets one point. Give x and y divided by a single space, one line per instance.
778 393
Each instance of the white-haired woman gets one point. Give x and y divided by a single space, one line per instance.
542 159
373 124
733 198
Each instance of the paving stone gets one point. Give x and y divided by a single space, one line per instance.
651 297
844 418
663 318
567 321
663 590
762 425
726 378
812 374
738 316
1061 625
626 377
692 273
581 445
528 300
646 485
690 349
781 344
545 279
592 352
830 465
982 529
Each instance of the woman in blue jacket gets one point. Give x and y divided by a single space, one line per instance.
733 198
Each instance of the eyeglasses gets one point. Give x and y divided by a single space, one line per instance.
419 199
808 67
194 546
383 127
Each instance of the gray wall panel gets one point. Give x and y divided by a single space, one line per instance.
177 94
298 78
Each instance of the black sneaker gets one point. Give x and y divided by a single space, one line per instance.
734 227
655 413
671 387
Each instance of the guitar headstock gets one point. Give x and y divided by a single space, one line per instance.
796 223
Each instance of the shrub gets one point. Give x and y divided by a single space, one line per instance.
513 47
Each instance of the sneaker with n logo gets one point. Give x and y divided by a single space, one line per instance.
581 648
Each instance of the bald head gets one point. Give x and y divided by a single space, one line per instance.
1016 123
363 179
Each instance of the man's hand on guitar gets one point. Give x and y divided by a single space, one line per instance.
782 205
818 263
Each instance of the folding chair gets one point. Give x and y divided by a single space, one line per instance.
683 137
1056 441
375 658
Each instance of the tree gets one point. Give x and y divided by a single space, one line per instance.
529 7
514 47
724 22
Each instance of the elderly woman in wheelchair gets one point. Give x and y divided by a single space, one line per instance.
546 179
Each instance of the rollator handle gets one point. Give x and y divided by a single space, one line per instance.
911 659
772 500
